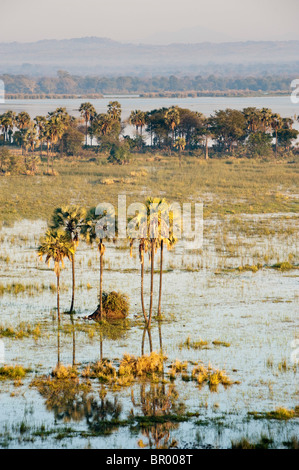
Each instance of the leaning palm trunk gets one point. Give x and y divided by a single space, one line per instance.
161 272
152 283
149 339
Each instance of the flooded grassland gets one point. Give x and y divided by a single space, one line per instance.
218 369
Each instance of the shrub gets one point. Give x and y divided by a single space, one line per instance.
115 305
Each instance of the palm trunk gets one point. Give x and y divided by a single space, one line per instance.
48 159
58 343
152 283
73 283
58 291
142 342
101 346
276 144
150 340
101 283
207 148
160 337
142 297
74 342
161 271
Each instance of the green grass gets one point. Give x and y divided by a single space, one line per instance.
245 186
13 372
23 330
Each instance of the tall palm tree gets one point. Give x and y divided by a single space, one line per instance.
90 234
62 115
114 110
70 219
56 246
180 143
141 222
138 119
23 122
156 228
55 130
172 119
276 124
7 122
265 118
40 122
87 111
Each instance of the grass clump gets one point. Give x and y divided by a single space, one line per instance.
176 367
221 343
283 266
280 413
102 370
244 443
293 443
13 372
253 268
62 372
23 330
213 377
193 344
141 366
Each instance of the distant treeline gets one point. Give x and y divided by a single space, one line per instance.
69 86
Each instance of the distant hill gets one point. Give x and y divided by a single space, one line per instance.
101 56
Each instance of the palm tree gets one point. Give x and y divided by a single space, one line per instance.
155 229
276 124
23 122
172 119
180 143
138 119
87 111
265 118
62 115
30 140
141 223
114 110
40 124
70 219
56 246
7 122
90 233
55 130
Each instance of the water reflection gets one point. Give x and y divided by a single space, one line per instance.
156 407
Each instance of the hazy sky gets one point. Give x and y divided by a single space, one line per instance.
149 21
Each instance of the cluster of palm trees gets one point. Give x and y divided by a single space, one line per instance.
71 224
39 131
174 127
101 125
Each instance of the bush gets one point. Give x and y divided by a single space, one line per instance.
115 305
119 153
260 144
